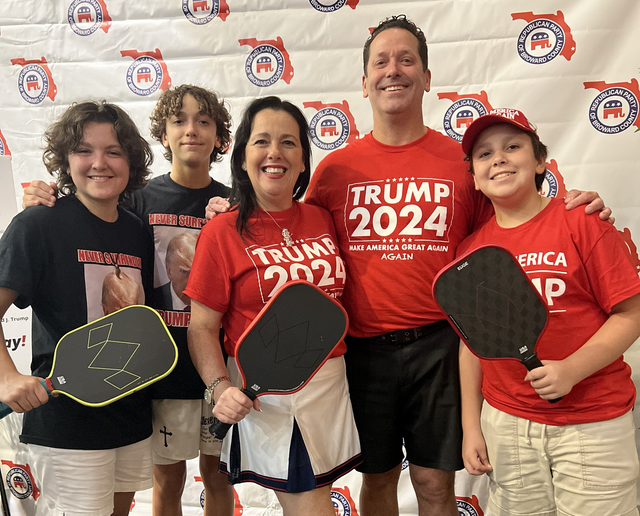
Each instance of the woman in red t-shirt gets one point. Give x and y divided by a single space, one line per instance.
295 444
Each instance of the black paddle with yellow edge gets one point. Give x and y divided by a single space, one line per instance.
111 357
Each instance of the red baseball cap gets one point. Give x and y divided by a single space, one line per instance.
495 116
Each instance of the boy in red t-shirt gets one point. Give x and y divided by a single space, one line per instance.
576 456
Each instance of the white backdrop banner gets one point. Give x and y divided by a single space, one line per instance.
571 65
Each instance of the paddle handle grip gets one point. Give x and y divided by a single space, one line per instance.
219 429
5 410
531 363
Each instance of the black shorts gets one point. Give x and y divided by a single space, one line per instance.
407 392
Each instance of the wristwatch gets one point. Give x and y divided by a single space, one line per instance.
208 392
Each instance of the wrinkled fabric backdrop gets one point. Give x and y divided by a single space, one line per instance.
572 66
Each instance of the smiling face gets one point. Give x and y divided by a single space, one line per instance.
273 158
395 81
191 135
504 164
99 169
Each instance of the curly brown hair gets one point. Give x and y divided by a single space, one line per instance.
170 103
64 135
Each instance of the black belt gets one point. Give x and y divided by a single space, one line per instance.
408 336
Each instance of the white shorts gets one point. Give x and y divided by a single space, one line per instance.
181 431
82 482
544 470
299 441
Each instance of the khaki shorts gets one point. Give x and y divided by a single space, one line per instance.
181 431
565 470
82 482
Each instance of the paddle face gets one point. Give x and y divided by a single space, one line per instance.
111 357
290 339
490 301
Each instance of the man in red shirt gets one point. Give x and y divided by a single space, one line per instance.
401 200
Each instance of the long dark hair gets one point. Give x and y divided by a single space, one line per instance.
243 197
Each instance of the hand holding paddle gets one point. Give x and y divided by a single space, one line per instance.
553 380
287 342
23 392
493 306
234 404
109 358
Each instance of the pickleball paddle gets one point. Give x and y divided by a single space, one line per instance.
287 342
111 357
491 303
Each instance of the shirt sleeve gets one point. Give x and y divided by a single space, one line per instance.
22 259
483 210
605 256
314 192
210 276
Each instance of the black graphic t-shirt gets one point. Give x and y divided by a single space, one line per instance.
62 262
173 216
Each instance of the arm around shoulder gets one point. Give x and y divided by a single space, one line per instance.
38 192
592 202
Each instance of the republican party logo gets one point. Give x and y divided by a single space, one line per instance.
469 506
199 479
147 73
464 110
545 37
553 184
332 126
342 502
35 81
87 16
20 481
329 6
615 108
201 12
268 62
4 148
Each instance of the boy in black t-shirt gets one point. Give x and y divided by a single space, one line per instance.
85 460
193 126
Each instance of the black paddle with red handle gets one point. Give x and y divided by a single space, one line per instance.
287 342
493 306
